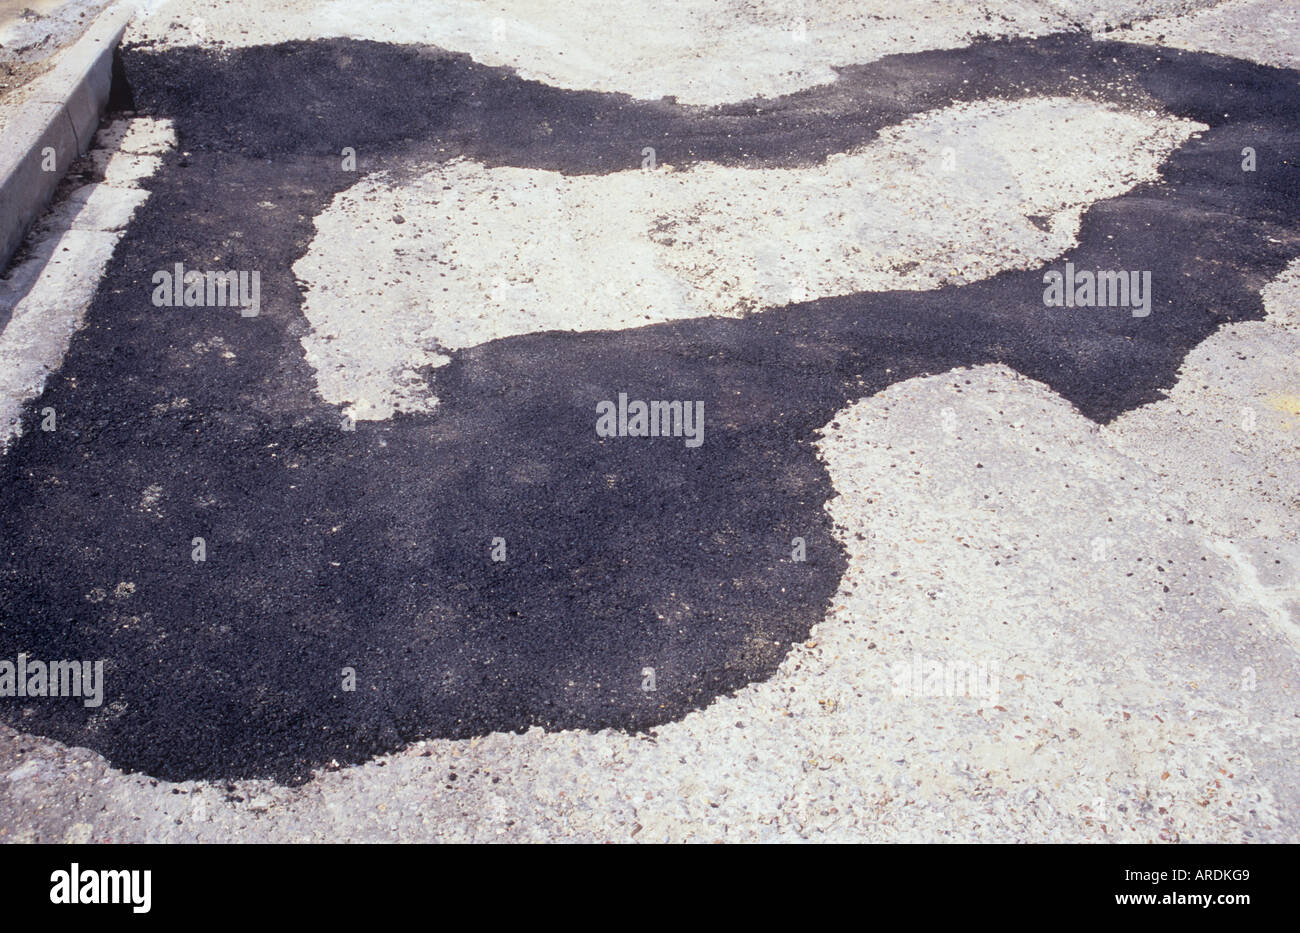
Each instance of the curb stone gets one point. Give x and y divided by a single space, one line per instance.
61 114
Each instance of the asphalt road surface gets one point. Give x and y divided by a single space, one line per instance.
371 548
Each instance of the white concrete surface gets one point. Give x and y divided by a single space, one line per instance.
699 51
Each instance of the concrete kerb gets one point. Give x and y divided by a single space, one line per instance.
61 117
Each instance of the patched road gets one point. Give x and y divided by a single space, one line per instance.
330 544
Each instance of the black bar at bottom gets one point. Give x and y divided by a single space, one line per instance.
335 883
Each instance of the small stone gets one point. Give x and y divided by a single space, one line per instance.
78 834
25 770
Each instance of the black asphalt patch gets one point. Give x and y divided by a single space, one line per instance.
371 549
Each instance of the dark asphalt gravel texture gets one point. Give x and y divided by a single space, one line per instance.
370 549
